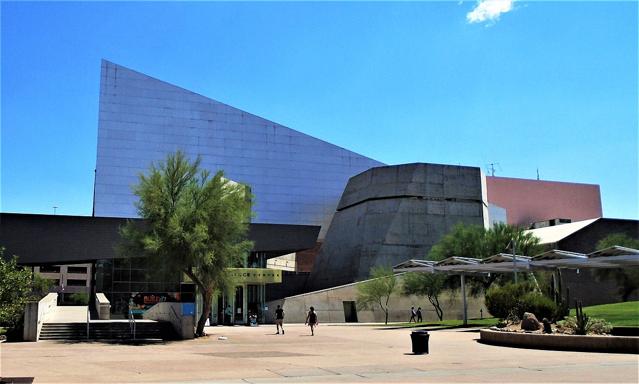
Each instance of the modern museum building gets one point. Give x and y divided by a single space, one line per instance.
323 215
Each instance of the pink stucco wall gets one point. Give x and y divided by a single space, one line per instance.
527 201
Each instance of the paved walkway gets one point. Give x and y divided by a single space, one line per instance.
334 354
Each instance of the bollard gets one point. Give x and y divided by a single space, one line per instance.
420 342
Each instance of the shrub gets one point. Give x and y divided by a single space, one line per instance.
599 327
504 301
512 300
79 298
540 305
592 326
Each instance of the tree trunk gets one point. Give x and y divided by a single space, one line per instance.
207 296
386 313
434 300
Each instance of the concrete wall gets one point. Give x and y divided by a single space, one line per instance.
66 273
183 325
296 178
329 305
388 215
590 343
35 314
527 201
103 306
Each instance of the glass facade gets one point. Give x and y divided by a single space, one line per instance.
134 281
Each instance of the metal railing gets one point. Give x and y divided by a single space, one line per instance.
177 324
175 315
132 323
88 321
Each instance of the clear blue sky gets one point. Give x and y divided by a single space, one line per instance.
547 85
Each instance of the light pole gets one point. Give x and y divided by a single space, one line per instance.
515 259
54 209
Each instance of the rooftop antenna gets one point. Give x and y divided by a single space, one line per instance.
491 168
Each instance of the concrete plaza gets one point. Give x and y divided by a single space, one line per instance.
337 353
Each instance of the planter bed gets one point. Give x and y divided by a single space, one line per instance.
594 343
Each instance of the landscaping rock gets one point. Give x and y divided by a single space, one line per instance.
530 322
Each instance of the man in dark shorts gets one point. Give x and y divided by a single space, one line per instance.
311 320
279 319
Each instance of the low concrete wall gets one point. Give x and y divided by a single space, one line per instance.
35 314
594 343
329 305
172 312
102 306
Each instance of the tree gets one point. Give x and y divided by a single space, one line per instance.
627 278
18 286
378 290
619 239
426 284
475 241
193 223
15 286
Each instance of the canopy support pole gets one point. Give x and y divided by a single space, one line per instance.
463 289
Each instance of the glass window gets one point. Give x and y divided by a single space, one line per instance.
50 268
76 269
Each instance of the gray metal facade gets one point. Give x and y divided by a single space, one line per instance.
296 178
391 214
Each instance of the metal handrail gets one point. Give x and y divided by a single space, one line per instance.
132 323
175 314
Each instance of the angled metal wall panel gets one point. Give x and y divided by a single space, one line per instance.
296 178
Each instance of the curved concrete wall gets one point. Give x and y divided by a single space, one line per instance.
388 215
616 344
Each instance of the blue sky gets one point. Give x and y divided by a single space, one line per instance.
543 85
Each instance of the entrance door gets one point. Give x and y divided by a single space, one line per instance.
239 305
220 309
350 312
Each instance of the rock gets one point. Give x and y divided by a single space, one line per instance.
530 322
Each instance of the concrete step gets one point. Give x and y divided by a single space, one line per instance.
104 330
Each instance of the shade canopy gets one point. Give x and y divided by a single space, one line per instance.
613 257
414 265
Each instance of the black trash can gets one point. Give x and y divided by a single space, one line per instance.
420 342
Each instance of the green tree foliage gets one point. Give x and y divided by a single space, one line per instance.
17 287
475 241
463 240
627 278
378 290
430 285
619 239
194 224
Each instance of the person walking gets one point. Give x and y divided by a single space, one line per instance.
412 314
311 320
419 314
228 314
279 319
